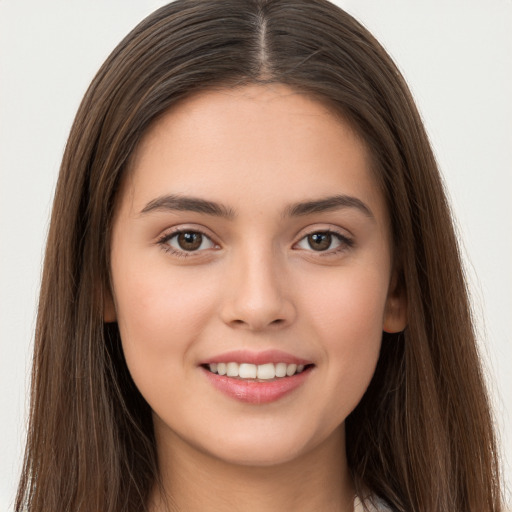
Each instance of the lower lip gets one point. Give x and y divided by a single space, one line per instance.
257 392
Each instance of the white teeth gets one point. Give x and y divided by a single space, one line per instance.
265 371
281 370
247 371
232 369
290 369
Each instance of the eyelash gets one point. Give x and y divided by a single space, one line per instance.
345 242
163 242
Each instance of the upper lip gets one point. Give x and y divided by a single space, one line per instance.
262 357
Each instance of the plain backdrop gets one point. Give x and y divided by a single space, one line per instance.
456 57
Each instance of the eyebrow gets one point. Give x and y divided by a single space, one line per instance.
195 204
190 204
328 204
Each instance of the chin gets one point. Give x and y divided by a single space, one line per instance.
259 456
266 448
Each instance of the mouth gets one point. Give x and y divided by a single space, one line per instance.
267 372
257 377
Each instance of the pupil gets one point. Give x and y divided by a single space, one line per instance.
190 241
320 241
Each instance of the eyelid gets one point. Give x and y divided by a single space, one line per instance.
323 228
346 239
184 228
343 235
173 231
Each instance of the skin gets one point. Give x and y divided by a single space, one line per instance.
255 283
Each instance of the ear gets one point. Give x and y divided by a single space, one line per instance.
109 308
395 312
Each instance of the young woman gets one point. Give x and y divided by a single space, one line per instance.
252 296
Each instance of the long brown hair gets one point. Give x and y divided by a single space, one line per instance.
422 437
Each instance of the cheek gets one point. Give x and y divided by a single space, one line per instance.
160 315
346 315
349 305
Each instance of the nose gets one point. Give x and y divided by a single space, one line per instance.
257 294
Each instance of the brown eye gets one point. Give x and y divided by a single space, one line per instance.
189 241
320 241
325 241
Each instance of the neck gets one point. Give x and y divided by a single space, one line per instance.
193 481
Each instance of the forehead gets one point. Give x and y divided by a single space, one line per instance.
251 146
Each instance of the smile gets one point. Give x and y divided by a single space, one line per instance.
260 372
257 377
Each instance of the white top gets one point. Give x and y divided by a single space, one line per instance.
358 507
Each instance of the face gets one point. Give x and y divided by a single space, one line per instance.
251 270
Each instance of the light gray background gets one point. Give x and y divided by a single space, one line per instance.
456 56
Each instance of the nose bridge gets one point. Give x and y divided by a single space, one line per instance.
256 295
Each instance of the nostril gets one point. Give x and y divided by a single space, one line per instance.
256 325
